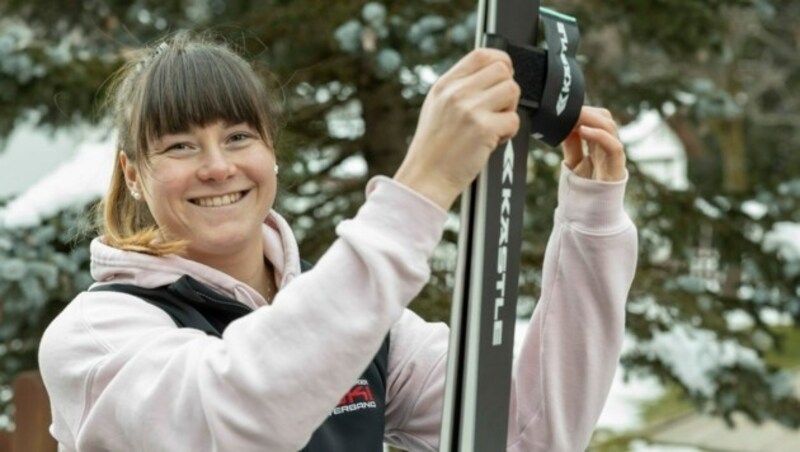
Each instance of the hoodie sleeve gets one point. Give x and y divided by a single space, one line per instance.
570 352
122 377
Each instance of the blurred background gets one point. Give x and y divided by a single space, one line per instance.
707 94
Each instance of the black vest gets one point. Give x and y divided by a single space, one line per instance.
355 425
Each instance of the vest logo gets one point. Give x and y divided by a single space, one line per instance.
358 398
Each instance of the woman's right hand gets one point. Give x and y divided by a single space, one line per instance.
468 112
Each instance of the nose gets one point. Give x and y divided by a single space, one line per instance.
216 165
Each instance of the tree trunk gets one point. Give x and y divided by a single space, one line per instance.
734 176
385 127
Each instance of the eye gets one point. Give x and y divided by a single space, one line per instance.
240 138
177 147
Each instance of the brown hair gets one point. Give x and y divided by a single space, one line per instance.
185 80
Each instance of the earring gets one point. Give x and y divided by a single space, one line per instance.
136 195
276 169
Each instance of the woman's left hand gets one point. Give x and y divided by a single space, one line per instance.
605 160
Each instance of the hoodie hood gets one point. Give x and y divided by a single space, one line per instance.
112 265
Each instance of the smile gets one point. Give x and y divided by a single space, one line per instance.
219 201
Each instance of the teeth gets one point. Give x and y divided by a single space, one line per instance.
217 201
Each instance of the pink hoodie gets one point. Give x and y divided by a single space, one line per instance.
122 377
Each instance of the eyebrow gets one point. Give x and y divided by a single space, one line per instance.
229 124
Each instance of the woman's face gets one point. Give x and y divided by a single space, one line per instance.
212 186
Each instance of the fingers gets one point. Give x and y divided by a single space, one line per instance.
597 117
606 152
503 96
488 76
490 86
573 149
486 95
477 60
606 157
505 124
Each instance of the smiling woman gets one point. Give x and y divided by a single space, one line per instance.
204 332
172 94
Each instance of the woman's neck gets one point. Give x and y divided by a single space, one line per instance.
248 266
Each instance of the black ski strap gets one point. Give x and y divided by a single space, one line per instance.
565 90
551 80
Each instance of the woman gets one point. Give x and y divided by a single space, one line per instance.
188 216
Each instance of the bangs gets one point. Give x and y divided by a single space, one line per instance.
196 86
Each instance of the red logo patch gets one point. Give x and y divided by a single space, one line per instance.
358 398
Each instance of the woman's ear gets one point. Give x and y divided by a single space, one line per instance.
131 175
127 169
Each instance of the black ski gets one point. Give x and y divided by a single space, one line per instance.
476 403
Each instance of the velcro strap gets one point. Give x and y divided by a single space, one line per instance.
530 69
